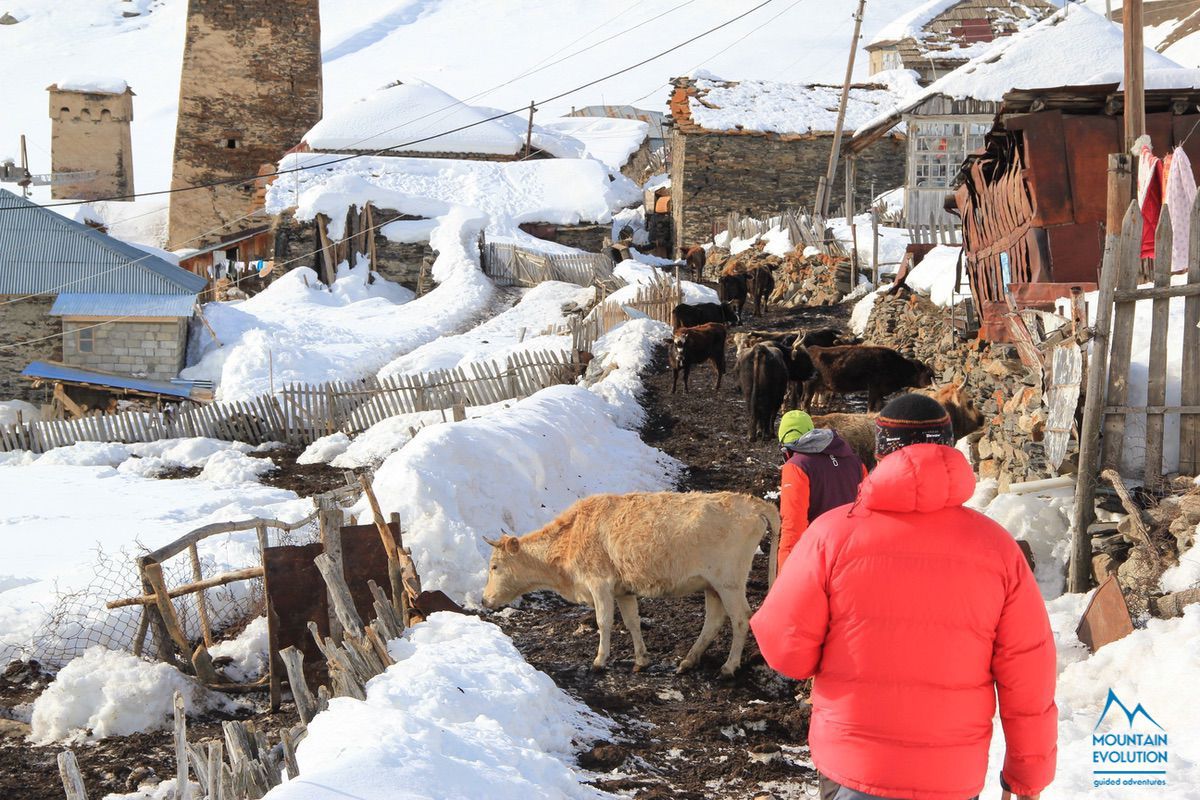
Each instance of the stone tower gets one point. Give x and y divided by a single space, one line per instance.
89 134
250 90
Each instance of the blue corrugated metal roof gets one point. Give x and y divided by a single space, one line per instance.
123 305
42 252
61 372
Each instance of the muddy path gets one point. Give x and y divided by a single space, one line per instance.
694 735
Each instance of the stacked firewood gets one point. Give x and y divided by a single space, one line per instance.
1009 447
814 280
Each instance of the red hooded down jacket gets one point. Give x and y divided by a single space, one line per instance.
913 613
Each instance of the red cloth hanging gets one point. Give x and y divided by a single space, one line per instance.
1150 197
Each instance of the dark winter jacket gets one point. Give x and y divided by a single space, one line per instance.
822 473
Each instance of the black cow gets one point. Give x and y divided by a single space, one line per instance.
689 316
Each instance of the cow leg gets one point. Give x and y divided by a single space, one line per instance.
602 599
674 380
874 398
720 367
714 618
627 604
687 369
734 601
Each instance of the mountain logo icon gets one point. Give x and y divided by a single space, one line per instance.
1137 711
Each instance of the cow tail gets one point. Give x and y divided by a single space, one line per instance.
754 374
772 531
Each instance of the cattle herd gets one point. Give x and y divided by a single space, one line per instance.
608 550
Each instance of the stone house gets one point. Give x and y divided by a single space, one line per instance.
938 36
758 147
86 300
948 120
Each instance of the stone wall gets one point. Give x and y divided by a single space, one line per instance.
148 348
89 132
713 174
250 90
590 238
400 262
21 322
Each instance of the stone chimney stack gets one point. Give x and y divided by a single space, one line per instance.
250 90
89 135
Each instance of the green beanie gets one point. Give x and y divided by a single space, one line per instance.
793 425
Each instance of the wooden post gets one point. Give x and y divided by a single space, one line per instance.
1121 341
1135 86
1189 424
329 521
183 787
1079 571
395 575
201 603
306 704
875 246
835 150
529 131
1156 389
72 779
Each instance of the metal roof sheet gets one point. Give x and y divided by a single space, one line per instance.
98 304
42 252
61 372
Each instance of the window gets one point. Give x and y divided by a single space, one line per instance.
231 144
86 339
939 148
892 59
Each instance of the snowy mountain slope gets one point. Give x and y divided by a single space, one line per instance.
462 46
1172 27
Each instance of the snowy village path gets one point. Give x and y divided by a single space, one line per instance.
690 736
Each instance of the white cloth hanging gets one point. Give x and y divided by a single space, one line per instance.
1181 193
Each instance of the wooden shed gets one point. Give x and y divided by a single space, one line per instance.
1033 201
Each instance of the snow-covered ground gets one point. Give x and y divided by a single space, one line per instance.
74 519
461 714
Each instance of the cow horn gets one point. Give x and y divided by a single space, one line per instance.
492 542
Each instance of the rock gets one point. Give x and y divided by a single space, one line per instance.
604 756
8 19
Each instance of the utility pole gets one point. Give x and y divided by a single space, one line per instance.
1135 84
529 131
826 189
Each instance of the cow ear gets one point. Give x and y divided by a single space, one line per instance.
511 544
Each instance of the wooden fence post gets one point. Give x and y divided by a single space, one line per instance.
1156 386
72 779
1189 424
1079 570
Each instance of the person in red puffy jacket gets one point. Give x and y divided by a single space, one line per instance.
912 614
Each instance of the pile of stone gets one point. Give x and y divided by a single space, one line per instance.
1010 395
809 281
721 261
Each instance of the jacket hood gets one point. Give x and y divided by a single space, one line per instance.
920 477
815 441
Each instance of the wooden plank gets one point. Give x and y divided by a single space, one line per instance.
1129 268
72 779
201 602
1159 292
1189 424
1156 387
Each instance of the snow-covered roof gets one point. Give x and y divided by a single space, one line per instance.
92 84
911 25
563 191
398 115
1072 42
611 140
709 103
1153 79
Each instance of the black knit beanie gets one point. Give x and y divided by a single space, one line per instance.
911 419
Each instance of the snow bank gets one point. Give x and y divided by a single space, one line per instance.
247 652
461 714
302 332
325 449
513 472
638 273
10 410
108 693
621 355
521 328
860 315
1044 520
231 467
934 277
609 139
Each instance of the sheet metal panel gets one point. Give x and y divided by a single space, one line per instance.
61 372
1075 252
1089 140
99 304
1045 155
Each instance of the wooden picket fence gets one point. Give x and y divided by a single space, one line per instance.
510 265
301 413
656 300
802 227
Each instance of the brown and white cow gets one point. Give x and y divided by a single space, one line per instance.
612 548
